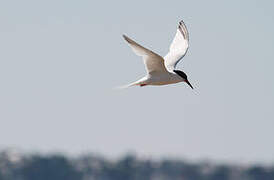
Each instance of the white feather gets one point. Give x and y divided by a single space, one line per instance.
178 47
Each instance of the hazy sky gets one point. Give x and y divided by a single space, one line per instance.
59 61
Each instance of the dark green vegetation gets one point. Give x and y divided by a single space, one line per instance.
88 167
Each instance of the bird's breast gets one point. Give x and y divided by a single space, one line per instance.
163 79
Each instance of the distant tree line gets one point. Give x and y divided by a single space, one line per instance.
90 167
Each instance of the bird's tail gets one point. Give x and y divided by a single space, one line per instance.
128 85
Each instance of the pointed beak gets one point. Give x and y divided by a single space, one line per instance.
189 84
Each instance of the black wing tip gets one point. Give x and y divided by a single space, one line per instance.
183 29
181 22
126 38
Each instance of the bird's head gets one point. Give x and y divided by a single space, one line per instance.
184 76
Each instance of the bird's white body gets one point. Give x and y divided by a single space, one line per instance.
159 79
161 71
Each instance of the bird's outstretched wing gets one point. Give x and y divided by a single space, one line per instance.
178 47
153 62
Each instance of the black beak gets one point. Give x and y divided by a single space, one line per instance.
189 84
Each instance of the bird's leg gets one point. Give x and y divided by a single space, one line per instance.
141 85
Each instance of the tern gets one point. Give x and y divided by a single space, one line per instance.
161 71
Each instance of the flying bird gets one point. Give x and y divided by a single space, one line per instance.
161 71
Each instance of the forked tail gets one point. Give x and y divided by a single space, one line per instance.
128 85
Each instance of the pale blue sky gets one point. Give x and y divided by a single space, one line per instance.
60 60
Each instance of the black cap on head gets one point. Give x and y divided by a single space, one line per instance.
181 73
184 76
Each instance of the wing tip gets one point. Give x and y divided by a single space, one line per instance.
183 29
181 22
127 39
124 36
